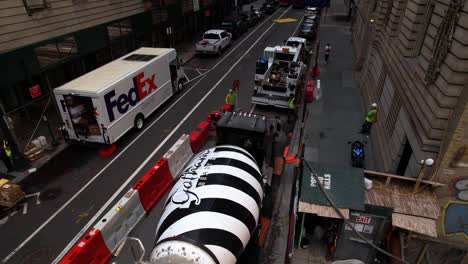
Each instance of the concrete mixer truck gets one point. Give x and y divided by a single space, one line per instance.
212 214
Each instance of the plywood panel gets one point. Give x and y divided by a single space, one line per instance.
421 225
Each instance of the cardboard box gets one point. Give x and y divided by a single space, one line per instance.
10 194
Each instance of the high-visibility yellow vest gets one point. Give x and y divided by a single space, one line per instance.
291 104
370 117
230 99
6 148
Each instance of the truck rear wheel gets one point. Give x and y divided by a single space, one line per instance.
139 122
180 86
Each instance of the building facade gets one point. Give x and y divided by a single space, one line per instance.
412 60
44 44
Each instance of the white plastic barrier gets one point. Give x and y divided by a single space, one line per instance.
177 156
117 223
317 91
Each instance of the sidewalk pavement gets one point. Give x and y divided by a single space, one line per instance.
337 117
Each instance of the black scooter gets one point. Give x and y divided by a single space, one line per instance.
358 154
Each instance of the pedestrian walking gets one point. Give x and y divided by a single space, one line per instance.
231 99
327 52
369 119
5 155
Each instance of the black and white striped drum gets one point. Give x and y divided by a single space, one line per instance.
212 210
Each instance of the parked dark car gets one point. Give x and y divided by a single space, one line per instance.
270 8
311 19
251 18
234 25
308 31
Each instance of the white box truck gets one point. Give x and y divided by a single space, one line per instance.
102 105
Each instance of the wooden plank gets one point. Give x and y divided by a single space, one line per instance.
422 253
321 210
420 225
383 174
13 11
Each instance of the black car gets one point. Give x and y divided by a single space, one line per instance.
234 25
259 12
308 31
250 17
269 8
311 19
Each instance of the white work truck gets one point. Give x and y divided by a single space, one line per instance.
281 73
102 105
214 42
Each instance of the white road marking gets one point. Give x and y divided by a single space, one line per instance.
252 109
25 208
198 71
298 25
37 197
124 185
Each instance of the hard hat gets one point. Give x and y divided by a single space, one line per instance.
374 105
230 90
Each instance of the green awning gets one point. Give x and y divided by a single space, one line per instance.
345 186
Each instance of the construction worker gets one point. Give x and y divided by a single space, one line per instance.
327 52
292 107
369 119
5 155
231 98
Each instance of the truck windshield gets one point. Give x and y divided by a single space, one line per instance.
261 67
211 36
293 43
285 56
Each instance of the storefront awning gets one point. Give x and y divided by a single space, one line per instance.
345 186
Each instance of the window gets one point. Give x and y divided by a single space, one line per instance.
119 29
140 57
56 51
33 5
423 29
224 35
211 36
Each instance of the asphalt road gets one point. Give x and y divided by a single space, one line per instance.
78 186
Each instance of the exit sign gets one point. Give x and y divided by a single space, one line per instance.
363 219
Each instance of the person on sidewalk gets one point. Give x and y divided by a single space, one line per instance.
231 99
369 119
5 155
327 52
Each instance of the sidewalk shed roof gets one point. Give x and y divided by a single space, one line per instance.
345 186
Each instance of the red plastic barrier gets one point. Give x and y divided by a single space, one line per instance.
309 91
315 71
108 150
152 186
199 136
225 108
90 249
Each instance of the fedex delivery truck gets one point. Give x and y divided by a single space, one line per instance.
102 105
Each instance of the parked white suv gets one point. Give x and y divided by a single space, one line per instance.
214 42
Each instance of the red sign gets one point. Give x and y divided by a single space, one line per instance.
35 91
363 219
236 85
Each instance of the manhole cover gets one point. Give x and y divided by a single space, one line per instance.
50 194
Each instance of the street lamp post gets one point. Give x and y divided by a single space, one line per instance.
424 163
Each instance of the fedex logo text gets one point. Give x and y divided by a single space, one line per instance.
135 94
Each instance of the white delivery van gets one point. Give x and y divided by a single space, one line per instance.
102 105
